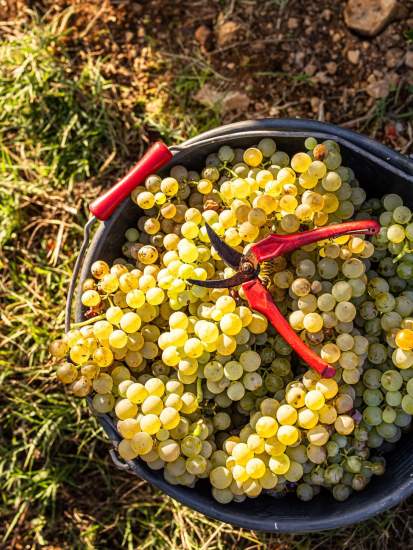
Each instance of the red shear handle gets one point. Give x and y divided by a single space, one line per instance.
155 157
260 299
277 245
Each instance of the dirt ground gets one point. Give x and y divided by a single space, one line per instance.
277 58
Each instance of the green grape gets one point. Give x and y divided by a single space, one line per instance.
395 233
341 492
372 378
374 440
191 446
402 214
393 398
333 474
386 431
310 143
403 419
392 380
372 398
405 270
385 302
372 415
392 201
236 390
407 404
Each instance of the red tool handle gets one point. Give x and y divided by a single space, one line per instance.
155 157
277 245
261 300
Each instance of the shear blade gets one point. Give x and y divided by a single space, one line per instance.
235 280
230 256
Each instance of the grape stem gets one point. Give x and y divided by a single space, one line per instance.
89 321
199 392
225 167
406 250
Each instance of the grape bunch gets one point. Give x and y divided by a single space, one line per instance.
198 383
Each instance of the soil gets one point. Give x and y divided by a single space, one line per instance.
284 58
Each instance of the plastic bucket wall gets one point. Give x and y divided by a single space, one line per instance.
379 171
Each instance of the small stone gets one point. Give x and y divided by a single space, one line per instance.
315 102
292 23
226 101
299 58
227 32
321 77
310 69
353 56
235 101
408 59
326 14
378 89
394 56
369 17
331 67
202 35
129 36
208 96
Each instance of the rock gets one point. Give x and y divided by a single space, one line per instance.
235 101
369 17
315 102
408 59
208 96
227 32
394 56
310 69
202 35
227 101
353 56
378 89
292 23
331 67
326 14
321 78
299 58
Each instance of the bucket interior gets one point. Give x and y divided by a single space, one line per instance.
287 514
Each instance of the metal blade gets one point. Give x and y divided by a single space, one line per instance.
235 280
230 256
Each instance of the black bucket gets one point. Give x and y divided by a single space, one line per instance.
379 170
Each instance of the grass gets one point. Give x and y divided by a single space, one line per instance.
62 137
396 106
170 108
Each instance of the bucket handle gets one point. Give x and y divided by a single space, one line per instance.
156 156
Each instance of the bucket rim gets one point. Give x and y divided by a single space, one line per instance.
288 127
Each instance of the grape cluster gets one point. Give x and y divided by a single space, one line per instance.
198 382
396 234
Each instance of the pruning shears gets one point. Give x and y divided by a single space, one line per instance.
258 296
